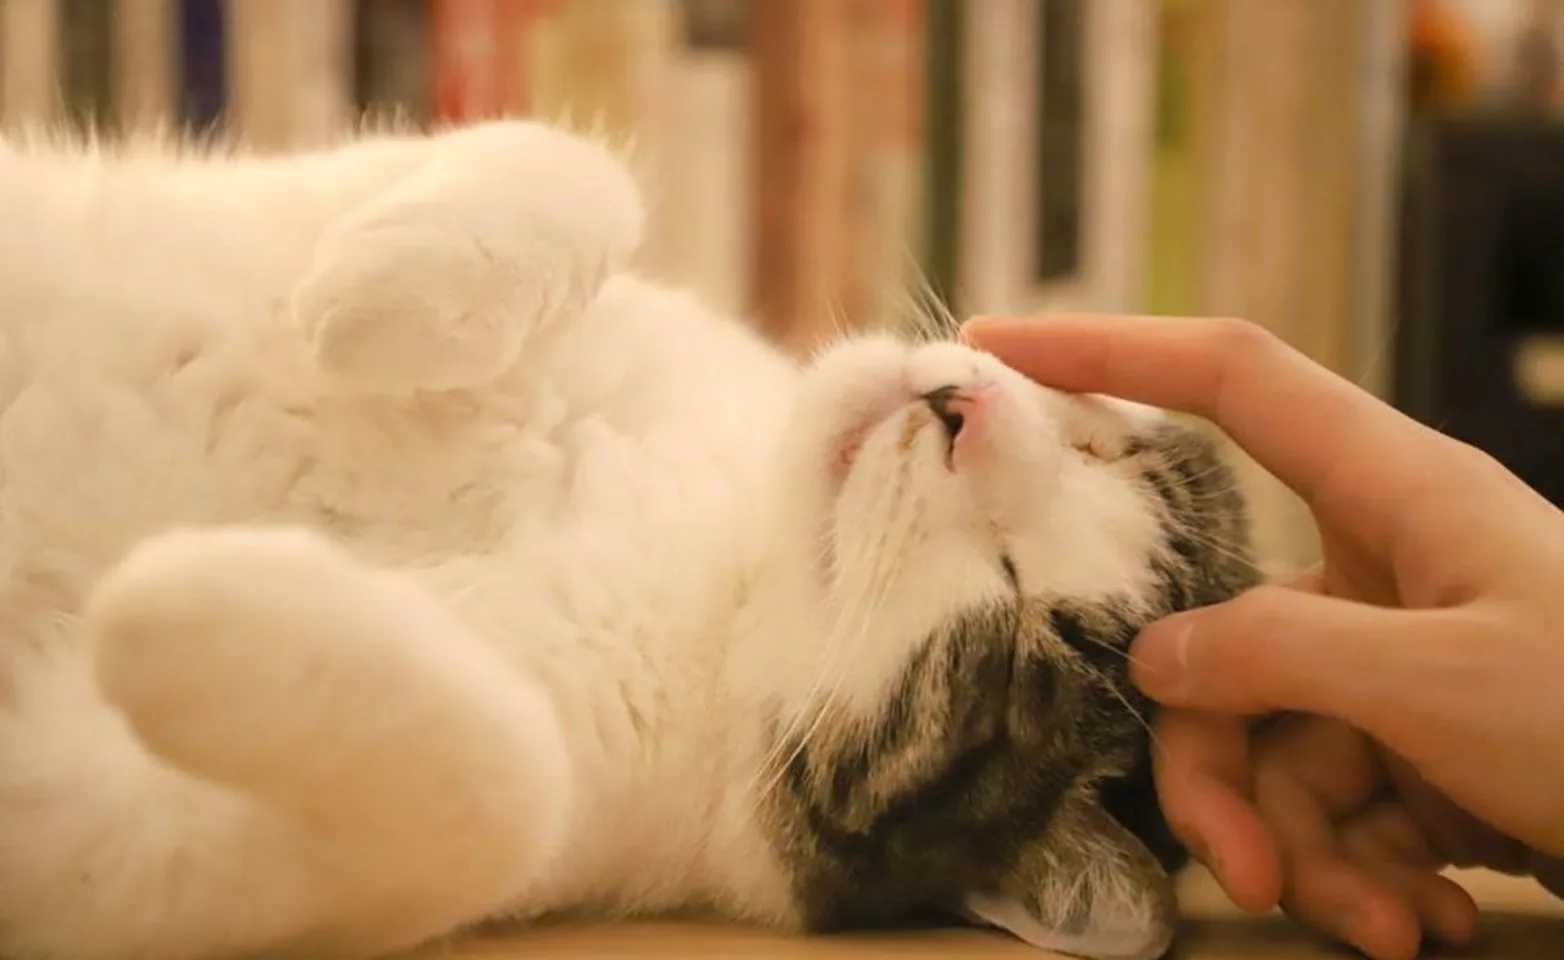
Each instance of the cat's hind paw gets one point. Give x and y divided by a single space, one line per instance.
273 661
430 782
214 643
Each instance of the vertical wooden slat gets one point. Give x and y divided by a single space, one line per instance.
29 62
1120 46
87 57
1382 66
146 68
887 101
803 168
944 171
1280 175
291 83
998 201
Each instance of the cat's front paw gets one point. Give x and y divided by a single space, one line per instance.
438 284
395 307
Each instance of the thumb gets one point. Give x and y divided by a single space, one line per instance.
1276 649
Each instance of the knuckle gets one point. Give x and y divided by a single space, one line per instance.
1247 634
1479 461
1235 337
1260 607
1460 465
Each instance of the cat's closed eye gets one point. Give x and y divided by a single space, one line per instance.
1097 428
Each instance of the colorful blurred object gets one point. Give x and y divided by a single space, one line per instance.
1443 61
1486 54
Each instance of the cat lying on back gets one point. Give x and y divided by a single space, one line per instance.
377 557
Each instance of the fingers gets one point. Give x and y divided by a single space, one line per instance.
1364 875
1549 872
1367 897
1292 813
1387 845
1348 904
1455 835
1299 420
1312 772
1360 870
1202 774
1273 649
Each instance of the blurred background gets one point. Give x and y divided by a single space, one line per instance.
1379 181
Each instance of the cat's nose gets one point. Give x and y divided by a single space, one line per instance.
949 406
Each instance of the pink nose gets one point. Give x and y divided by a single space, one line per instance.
962 413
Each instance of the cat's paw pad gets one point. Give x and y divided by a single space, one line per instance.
204 640
395 307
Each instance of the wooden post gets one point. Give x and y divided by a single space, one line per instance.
146 65
29 62
803 168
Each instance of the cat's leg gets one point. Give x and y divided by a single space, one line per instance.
343 768
435 283
1086 887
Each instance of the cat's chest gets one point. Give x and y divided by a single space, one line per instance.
88 466
509 472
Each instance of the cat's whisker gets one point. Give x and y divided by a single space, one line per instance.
1228 551
1143 722
862 616
855 621
1120 652
827 666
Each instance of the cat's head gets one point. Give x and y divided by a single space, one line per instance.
985 550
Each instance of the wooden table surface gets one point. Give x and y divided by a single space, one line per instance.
1521 922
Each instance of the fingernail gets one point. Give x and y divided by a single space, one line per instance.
1161 657
990 322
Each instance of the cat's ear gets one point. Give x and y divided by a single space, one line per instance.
1085 887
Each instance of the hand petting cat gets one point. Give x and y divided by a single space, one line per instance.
1407 687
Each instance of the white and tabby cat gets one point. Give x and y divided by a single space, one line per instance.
378 556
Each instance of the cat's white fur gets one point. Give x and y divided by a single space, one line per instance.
377 555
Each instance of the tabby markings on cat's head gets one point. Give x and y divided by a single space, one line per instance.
992 548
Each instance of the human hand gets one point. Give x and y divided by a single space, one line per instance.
1429 627
1363 836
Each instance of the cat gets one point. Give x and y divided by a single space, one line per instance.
381 555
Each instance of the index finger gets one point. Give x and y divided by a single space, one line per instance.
1203 783
1297 419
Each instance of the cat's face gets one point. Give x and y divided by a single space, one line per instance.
985 550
